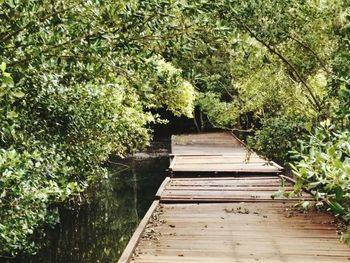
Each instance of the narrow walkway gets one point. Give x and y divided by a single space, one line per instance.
226 205
215 153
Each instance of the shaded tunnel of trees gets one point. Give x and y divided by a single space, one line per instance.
84 80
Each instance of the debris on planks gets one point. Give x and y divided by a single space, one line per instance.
235 218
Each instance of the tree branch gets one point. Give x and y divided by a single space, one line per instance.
314 100
308 48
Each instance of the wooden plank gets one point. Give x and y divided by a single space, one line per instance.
129 250
212 143
225 168
254 189
216 152
235 155
172 163
223 247
207 151
228 184
162 187
233 188
234 179
216 193
241 170
242 165
186 200
220 160
213 153
196 199
277 166
223 163
226 233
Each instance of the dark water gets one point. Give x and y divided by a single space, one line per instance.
100 230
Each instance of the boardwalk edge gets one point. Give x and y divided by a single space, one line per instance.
130 248
161 188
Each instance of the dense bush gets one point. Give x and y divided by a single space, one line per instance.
323 167
277 136
79 85
323 160
219 114
50 144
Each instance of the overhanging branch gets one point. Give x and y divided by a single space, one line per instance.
315 103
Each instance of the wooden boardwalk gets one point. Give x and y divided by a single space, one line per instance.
215 153
237 217
228 189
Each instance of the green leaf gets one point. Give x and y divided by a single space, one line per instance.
308 127
313 184
3 64
222 28
339 193
305 205
7 79
336 207
12 114
18 94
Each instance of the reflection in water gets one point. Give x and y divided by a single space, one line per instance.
100 230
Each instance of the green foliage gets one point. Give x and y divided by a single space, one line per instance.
51 146
323 160
324 168
30 182
219 114
257 58
79 80
277 136
172 90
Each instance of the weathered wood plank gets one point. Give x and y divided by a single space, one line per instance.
226 179
216 152
232 188
207 143
268 232
162 187
255 189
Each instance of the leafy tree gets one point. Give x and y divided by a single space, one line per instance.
323 160
78 83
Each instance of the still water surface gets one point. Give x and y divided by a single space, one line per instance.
98 232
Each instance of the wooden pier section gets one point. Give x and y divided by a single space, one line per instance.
226 204
216 153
